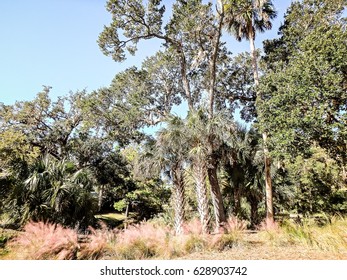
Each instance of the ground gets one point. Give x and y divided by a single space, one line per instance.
259 252
294 243
253 247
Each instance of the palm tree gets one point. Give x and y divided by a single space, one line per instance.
219 129
197 154
166 155
56 191
172 146
250 161
243 18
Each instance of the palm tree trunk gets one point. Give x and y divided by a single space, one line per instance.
237 199
178 200
217 199
254 61
253 201
268 182
200 181
267 159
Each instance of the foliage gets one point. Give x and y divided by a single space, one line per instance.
246 17
63 161
331 236
318 185
55 191
99 242
44 125
305 90
41 241
147 199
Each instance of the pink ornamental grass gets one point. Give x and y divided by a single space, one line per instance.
46 241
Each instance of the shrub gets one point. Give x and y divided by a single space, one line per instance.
98 242
41 241
194 243
233 224
142 241
269 225
192 227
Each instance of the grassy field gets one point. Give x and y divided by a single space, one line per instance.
254 247
152 240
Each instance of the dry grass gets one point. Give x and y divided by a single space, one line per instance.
155 241
98 243
41 241
234 224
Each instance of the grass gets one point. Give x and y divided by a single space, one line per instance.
6 235
113 220
151 240
41 241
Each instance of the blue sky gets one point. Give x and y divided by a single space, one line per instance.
53 43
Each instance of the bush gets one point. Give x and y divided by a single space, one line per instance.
142 241
330 237
42 241
97 243
225 241
235 224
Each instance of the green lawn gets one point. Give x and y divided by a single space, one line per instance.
114 219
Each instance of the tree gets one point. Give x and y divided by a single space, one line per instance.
54 191
166 156
192 38
318 187
235 87
305 87
46 125
108 166
16 157
197 135
243 19
223 129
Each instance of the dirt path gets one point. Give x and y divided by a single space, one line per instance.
268 253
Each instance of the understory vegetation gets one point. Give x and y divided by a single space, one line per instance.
197 150
155 240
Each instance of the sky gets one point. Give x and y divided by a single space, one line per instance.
54 43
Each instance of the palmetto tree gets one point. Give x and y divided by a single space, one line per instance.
172 146
57 192
197 134
243 19
219 130
249 160
167 154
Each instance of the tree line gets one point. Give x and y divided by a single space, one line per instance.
66 160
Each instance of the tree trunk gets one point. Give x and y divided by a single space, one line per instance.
217 199
201 195
213 63
178 200
101 193
254 211
254 62
344 173
185 80
267 160
268 182
237 199
127 210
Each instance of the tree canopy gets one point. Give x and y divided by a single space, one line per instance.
87 153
